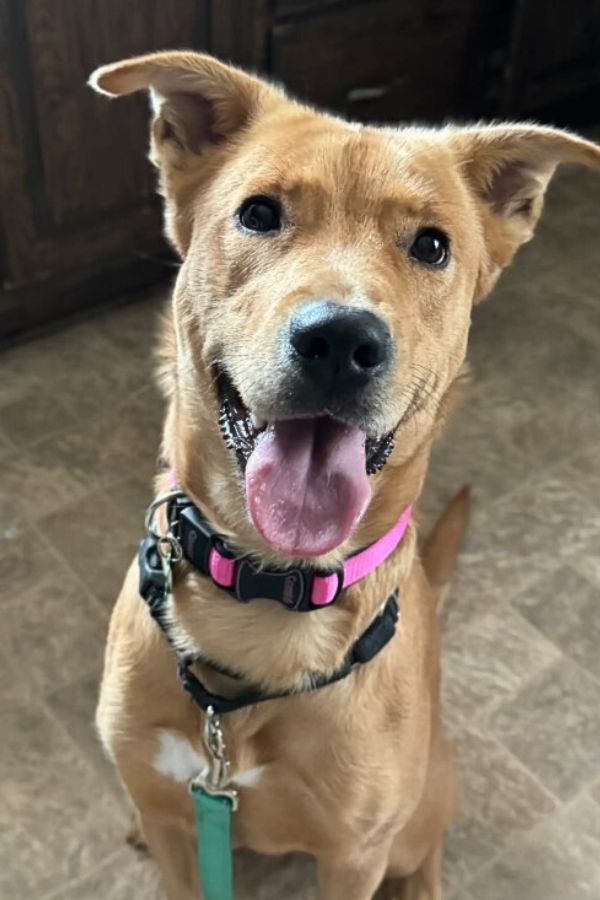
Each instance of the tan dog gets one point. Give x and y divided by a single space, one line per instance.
329 273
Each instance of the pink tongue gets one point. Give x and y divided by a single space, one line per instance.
306 485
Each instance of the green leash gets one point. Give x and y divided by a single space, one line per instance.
214 805
213 838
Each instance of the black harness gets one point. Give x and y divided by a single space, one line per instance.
193 537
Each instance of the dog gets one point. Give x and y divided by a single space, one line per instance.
313 350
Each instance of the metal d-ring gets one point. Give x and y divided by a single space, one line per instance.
167 544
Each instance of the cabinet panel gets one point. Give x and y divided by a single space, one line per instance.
75 187
383 60
566 35
239 31
291 7
553 55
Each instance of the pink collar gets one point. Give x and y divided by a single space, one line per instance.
297 588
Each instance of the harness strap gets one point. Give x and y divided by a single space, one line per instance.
152 589
370 643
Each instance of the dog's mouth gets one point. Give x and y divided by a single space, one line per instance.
306 478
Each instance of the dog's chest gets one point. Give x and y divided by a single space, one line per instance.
284 805
181 760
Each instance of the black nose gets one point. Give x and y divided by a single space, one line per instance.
340 343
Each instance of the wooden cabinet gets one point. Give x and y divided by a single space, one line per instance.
291 7
77 202
79 219
554 53
383 60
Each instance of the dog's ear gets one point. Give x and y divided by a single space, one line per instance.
199 104
197 100
508 168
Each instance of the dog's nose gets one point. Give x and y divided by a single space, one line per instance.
340 344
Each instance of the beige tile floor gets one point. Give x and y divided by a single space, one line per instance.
79 425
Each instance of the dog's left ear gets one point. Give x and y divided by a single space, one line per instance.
508 167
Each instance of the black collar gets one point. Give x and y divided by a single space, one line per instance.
154 588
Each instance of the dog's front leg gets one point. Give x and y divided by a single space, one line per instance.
174 851
352 881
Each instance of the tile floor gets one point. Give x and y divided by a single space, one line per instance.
79 425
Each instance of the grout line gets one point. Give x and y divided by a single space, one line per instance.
73 882
482 718
530 773
78 423
580 668
481 726
528 627
564 808
59 556
564 654
119 795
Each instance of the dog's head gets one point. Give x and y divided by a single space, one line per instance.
322 309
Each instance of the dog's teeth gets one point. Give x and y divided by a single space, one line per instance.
257 423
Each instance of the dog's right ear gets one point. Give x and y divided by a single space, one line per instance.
199 103
197 100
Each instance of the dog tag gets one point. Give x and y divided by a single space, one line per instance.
213 814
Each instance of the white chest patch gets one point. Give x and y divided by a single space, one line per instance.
178 759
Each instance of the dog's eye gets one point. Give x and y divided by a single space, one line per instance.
431 247
260 214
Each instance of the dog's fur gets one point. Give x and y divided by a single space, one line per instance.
358 774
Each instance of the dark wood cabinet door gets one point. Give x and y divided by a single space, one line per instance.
387 60
293 7
79 218
554 54
239 32
76 191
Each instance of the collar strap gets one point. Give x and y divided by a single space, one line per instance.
298 588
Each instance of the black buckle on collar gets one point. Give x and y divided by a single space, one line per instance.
196 536
290 587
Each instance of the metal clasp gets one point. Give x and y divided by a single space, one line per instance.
167 544
216 779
